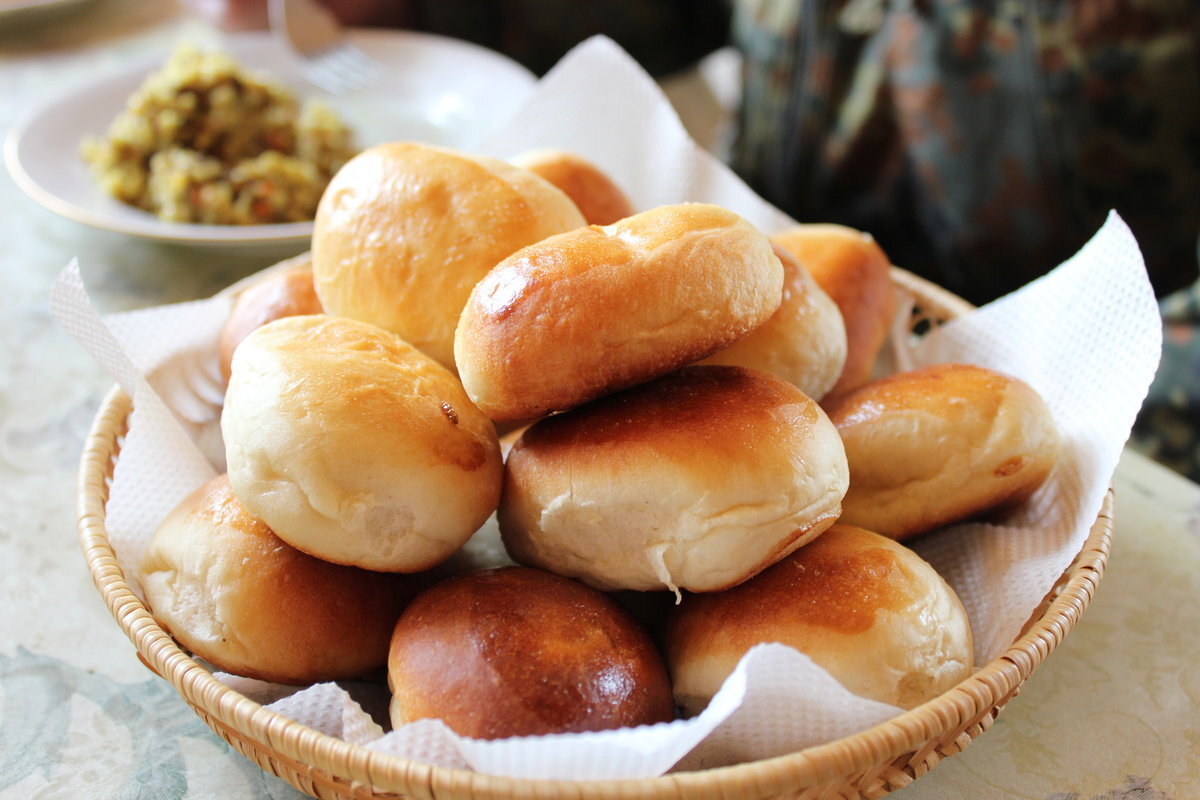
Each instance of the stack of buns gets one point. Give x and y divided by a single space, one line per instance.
662 374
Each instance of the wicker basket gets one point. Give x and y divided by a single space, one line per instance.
868 764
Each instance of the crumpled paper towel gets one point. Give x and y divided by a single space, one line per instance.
1087 336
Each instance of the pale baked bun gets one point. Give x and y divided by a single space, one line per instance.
856 274
868 610
521 652
286 293
592 311
404 231
804 341
233 593
598 197
356 447
695 481
941 444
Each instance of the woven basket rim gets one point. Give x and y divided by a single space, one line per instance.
925 726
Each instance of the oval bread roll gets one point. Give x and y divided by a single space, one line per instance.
288 293
599 199
941 444
355 447
521 652
589 312
233 593
404 231
695 481
804 341
869 611
856 274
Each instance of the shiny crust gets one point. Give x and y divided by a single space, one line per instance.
855 273
517 652
404 231
599 199
281 294
596 310
804 341
355 447
233 593
697 480
941 444
868 610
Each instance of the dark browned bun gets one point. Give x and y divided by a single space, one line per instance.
696 480
517 652
941 444
230 591
856 274
868 610
598 197
287 293
586 313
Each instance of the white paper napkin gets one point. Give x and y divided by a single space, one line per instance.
1087 337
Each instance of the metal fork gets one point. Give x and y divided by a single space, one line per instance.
323 55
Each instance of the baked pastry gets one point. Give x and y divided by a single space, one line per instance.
405 230
868 610
695 481
286 293
354 446
941 444
599 199
589 312
804 341
856 274
233 593
521 652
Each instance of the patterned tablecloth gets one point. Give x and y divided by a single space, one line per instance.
1112 714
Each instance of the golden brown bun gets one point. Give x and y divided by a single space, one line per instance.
589 312
856 274
941 444
521 652
404 231
869 611
696 481
289 293
804 342
356 447
233 593
599 199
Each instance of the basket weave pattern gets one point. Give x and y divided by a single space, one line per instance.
869 764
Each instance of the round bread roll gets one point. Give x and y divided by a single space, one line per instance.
869 611
233 593
586 313
695 481
355 447
521 652
941 444
404 231
599 199
287 293
804 342
856 274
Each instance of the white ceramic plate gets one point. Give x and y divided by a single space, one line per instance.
436 90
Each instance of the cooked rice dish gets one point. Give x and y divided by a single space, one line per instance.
203 140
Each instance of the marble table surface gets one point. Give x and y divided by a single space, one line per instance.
1112 713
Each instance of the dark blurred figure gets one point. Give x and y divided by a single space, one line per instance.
980 141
